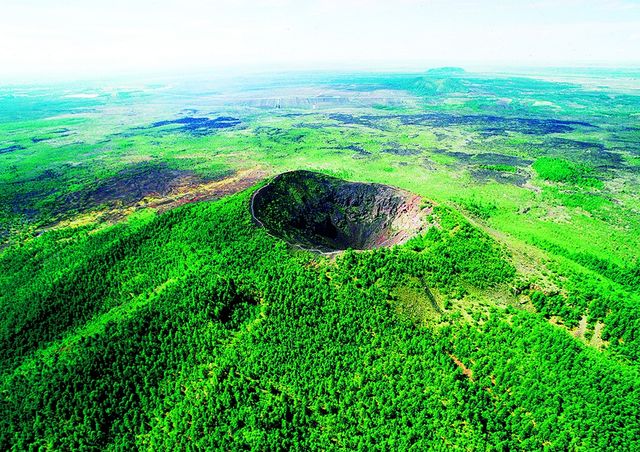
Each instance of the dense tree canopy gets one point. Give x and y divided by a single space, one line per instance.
196 330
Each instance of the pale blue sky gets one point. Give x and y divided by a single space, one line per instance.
40 38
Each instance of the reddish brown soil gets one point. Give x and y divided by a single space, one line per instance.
465 370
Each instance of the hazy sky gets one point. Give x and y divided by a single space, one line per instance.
41 38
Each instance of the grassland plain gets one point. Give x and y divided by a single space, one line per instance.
535 185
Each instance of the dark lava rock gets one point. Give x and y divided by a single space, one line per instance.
360 152
366 121
582 152
200 126
485 158
128 187
484 175
396 149
487 125
15 147
324 213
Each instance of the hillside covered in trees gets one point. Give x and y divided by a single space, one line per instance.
431 260
197 330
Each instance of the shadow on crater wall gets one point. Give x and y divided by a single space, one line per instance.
320 212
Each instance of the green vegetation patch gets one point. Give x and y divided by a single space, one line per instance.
177 331
478 207
197 330
560 170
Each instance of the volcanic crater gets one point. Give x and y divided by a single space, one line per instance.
326 214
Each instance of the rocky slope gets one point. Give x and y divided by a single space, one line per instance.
316 211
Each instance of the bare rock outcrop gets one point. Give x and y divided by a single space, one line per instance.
320 212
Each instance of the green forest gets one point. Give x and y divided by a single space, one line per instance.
435 260
195 330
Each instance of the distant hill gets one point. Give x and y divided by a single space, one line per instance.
446 71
